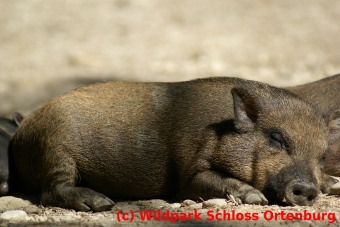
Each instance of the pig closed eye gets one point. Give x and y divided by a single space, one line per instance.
277 140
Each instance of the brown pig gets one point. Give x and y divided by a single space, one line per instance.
203 138
325 95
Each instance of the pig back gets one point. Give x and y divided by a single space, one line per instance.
324 94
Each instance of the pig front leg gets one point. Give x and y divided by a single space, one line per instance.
211 184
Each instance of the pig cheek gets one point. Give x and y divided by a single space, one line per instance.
270 164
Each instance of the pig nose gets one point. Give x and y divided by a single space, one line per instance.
3 188
301 193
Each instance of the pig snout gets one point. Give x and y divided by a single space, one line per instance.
3 188
294 185
300 193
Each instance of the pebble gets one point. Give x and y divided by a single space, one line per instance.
8 203
188 202
214 203
175 205
14 214
195 206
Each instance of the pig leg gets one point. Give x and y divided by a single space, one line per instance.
78 198
60 186
209 184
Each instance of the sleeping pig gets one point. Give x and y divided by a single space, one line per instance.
204 138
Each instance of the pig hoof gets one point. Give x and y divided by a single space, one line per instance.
83 199
86 199
255 197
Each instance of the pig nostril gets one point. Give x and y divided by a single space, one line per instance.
301 193
297 192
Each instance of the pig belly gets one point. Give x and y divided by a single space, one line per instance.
129 174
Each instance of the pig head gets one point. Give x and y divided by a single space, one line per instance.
276 144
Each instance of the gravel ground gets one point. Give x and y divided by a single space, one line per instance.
21 212
49 47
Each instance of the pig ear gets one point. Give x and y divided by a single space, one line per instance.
17 117
245 109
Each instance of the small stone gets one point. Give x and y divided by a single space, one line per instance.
14 214
175 205
188 202
195 206
8 203
213 203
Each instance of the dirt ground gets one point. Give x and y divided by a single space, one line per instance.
206 215
49 47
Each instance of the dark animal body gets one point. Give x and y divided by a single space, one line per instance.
7 130
203 138
325 95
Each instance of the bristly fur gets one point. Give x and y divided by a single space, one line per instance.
203 138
